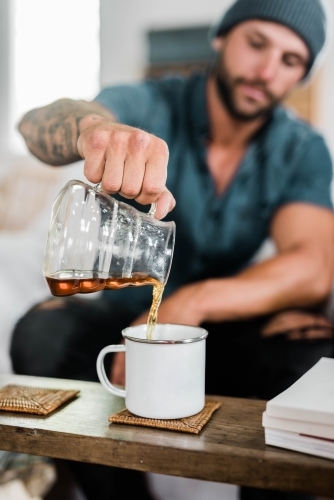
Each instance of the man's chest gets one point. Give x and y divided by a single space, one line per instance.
214 227
223 163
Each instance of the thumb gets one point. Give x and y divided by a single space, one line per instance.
164 204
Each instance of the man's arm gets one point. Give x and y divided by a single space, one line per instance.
299 276
125 159
51 133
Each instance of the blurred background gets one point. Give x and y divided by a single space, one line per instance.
71 48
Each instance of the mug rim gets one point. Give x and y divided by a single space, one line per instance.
180 341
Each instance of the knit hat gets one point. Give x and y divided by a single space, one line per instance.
307 18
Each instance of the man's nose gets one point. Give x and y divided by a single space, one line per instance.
268 68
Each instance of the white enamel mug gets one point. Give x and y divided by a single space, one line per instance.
165 377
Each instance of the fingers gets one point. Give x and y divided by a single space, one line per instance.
299 325
155 175
317 332
136 156
116 150
165 203
129 161
92 144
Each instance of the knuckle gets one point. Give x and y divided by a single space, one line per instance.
130 191
119 138
98 139
111 186
152 189
140 140
162 147
172 203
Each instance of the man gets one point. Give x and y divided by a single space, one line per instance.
241 168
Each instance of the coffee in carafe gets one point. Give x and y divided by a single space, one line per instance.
61 288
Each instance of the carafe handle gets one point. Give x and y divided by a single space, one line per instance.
152 210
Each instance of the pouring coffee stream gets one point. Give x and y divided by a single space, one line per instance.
97 243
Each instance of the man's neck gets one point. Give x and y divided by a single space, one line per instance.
227 131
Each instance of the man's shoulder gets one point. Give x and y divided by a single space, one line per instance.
296 159
287 130
150 104
167 92
287 140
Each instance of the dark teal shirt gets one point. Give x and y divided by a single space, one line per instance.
217 235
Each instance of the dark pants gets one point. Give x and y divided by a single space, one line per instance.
64 342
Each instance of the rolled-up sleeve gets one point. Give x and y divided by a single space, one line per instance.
312 177
140 105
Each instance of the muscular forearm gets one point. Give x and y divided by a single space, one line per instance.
299 276
289 280
52 132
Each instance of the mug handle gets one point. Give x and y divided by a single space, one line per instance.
101 373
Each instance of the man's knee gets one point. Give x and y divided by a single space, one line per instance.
62 337
284 361
41 338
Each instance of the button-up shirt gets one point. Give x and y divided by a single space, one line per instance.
287 161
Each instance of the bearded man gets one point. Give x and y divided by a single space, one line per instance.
241 168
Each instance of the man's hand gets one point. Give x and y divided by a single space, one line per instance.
182 307
127 160
296 325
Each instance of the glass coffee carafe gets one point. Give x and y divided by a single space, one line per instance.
96 242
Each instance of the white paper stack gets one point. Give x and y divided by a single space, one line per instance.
302 417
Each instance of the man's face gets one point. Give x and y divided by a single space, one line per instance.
259 63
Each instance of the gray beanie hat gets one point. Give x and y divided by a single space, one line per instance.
307 18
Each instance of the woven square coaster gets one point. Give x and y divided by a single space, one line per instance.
33 400
193 424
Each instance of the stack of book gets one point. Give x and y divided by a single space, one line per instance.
302 417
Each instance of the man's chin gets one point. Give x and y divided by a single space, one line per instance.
249 107
248 117
238 105
246 113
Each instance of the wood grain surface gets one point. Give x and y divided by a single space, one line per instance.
230 449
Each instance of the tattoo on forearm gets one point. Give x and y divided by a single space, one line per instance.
52 132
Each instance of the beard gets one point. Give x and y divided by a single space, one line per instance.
227 85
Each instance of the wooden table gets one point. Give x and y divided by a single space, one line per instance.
230 449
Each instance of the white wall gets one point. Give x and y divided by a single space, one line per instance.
5 74
123 27
123 48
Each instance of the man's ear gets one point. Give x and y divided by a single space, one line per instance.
218 43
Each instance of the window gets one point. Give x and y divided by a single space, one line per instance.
55 54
